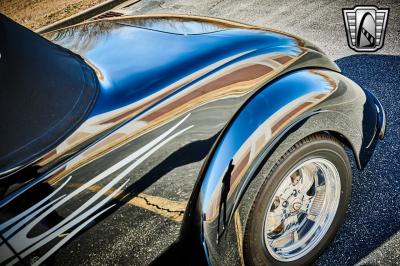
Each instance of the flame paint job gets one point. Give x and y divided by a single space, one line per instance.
244 87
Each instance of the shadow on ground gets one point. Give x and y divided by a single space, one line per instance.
374 213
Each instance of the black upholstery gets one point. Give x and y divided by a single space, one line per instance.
46 92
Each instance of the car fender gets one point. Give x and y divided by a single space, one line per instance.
301 102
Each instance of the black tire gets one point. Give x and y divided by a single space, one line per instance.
324 146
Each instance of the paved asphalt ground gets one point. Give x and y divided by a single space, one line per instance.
371 233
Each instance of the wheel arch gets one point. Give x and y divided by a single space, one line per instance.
331 113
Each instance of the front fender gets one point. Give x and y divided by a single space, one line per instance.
304 101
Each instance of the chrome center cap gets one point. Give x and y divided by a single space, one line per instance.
296 206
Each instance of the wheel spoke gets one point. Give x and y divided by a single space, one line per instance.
318 201
307 180
275 225
275 221
295 236
290 222
287 239
306 203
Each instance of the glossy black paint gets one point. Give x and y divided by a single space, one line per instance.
346 106
174 111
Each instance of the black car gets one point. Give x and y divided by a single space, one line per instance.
127 139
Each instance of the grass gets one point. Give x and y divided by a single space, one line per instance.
35 14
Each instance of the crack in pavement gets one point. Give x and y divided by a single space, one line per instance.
170 209
157 206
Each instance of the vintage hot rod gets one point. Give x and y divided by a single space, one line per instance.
126 139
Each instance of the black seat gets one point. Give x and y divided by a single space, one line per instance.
46 92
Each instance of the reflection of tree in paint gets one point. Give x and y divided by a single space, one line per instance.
175 25
226 183
84 37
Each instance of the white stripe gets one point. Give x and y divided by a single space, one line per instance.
20 241
69 236
98 178
31 209
81 217
26 219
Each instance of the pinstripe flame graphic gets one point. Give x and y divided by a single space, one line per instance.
16 229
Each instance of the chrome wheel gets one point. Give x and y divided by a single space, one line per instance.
302 209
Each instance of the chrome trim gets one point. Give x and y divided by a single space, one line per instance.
382 119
